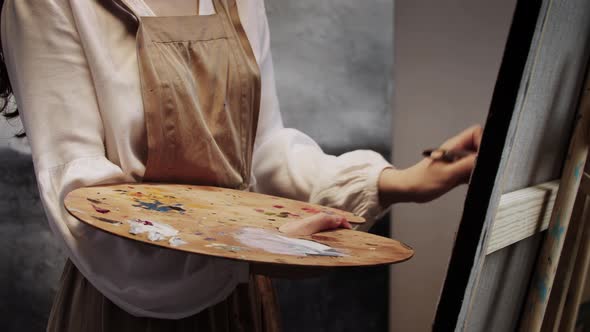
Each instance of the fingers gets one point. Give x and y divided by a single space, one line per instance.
468 139
477 135
316 223
462 169
345 224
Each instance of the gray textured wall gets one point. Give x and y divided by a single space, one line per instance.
30 260
333 64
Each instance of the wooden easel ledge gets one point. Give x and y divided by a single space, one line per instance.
521 214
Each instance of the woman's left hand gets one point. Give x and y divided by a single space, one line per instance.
430 178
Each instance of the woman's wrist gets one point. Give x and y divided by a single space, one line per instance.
395 186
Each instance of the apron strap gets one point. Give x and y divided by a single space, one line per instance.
138 7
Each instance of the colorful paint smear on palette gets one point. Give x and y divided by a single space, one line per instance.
226 247
100 210
310 210
278 244
163 197
156 231
145 222
95 201
176 241
151 192
282 214
158 206
107 220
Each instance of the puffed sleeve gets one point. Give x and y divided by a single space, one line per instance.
54 90
288 163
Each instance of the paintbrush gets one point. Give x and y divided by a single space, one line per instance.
446 155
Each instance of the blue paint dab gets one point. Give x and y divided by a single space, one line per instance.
577 171
557 231
542 289
158 206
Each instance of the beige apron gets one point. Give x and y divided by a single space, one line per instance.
201 94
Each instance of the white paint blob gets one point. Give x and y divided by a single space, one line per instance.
278 244
155 236
156 231
175 241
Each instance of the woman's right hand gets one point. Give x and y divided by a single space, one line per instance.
314 224
307 226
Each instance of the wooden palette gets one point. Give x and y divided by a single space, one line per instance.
227 223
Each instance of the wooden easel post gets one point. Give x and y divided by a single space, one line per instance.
576 288
561 217
567 264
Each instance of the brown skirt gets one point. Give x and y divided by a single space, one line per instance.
78 306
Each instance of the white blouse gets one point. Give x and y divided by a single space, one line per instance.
74 72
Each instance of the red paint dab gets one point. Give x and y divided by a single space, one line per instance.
310 210
145 222
278 206
100 210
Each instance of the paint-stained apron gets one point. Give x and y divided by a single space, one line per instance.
201 95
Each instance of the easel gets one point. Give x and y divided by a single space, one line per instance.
558 281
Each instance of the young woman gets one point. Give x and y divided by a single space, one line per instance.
176 91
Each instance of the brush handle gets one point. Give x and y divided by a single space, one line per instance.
446 155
